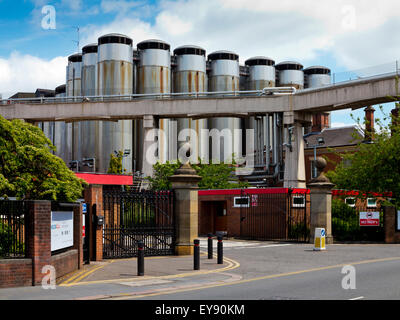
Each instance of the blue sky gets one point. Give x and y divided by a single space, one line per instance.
342 35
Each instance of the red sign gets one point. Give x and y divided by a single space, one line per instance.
370 219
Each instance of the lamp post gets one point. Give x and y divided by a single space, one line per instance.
321 142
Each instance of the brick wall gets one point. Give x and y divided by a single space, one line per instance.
27 272
65 262
15 273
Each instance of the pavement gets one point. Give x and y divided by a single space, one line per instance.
245 263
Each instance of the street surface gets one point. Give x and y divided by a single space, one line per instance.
252 270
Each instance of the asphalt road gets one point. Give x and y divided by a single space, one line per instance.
373 281
295 271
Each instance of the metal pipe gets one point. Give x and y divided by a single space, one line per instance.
267 157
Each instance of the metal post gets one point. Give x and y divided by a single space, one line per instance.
210 246
196 255
140 259
220 251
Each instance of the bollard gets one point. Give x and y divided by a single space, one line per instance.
140 259
220 251
210 246
196 255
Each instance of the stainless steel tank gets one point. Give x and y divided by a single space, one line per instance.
73 89
73 85
290 74
261 75
61 132
317 76
224 76
114 77
88 129
190 76
154 76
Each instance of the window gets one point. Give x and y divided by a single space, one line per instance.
351 202
299 201
371 202
241 202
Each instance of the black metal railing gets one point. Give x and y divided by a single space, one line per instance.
275 216
12 229
131 216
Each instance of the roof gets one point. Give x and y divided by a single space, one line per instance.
251 191
335 137
105 179
23 95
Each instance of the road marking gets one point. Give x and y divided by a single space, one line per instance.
358 298
231 264
268 277
266 246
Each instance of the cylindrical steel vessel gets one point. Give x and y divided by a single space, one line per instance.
224 76
114 77
154 76
73 85
317 76
88 129
261 75
190 76
290 74
73 89
61 141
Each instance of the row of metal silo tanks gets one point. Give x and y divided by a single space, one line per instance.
113 67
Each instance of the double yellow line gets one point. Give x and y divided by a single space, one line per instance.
81 275
76 280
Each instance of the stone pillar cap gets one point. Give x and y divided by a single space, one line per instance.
185 174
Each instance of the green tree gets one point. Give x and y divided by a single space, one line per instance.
214 176
375 167
28 169
115 164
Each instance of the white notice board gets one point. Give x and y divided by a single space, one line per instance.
62 229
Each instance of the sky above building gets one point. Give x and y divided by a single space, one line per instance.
344 35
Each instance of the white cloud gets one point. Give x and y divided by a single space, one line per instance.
357 33
25 73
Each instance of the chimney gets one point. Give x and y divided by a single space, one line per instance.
369 124
320 121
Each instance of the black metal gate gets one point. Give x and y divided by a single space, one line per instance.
130 216
275 215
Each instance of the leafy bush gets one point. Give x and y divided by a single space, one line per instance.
7 242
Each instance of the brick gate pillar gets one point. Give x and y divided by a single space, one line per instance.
93 196
392 235
185 185
38 237
321 202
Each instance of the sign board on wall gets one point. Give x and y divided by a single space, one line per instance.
398 220
62 229
370 219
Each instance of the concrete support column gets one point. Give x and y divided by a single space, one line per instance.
185 185
321 202
149 145
295 174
